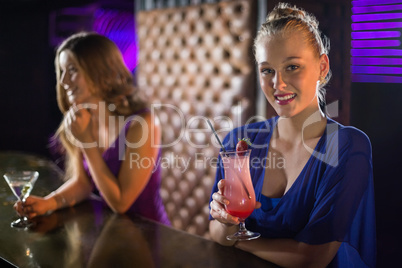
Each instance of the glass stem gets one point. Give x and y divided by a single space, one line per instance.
242 227
23 218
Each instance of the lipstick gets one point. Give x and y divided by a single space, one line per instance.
283 99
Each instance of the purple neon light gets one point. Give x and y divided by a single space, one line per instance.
360 3
375 35
375 61
375 26
130 56
375 9
371 17
119 27
375 43
375 52
373 58
376 78
375 70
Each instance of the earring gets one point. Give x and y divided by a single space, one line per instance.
322 80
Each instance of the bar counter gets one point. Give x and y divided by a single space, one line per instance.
91 235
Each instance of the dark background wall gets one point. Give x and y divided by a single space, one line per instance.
27 97
29 113
376 109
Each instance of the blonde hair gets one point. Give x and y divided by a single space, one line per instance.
285 18
104 69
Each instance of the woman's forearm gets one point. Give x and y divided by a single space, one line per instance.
219 231
70 193
291 253
283 252
105 180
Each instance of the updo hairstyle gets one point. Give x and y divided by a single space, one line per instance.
284 19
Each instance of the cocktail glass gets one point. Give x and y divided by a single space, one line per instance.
21 184
239 191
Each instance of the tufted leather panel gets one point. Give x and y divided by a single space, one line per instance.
196 62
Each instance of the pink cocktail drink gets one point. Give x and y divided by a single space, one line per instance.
239 190
241 198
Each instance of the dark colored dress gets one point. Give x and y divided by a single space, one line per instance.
149 203
331 200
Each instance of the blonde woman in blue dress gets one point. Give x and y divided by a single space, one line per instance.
312 176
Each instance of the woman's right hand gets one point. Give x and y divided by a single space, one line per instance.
77 122
218 211
35 206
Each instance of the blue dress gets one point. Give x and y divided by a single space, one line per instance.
332 199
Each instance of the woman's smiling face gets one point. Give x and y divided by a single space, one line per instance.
289 71
73 79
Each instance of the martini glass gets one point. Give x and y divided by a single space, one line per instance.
21 184
239 191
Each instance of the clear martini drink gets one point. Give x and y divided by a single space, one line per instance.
21 183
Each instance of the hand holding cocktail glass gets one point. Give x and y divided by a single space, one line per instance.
235 200
239 191
21 184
